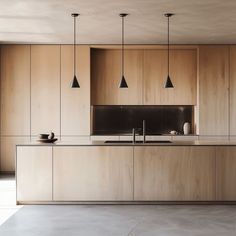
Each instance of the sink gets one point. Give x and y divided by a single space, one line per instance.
129 141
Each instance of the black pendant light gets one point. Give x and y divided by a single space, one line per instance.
75 83
123 83
168 83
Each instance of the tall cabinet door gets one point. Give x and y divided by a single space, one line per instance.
213 90
232 91
45 89
15 101
75 102
15 90
183 73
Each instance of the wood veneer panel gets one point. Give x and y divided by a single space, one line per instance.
15 90
213 90
93 173
34 173
45 89
75 103
226 173
174 173
183 72
106 76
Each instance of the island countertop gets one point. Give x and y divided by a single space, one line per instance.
128 143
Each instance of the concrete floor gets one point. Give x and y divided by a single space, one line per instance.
108 220
122 220
7 197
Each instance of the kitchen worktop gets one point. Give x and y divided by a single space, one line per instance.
172 143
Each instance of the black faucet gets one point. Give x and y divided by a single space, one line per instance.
139 129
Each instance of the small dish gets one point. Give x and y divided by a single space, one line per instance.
47 140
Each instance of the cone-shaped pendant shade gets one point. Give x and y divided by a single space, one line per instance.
123 83
75 83
169 83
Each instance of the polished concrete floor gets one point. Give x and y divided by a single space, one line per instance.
122 220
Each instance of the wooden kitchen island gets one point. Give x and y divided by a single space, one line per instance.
96 172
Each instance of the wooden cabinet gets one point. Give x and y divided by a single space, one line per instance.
15 90
93 173
183 73
45 89
8 151
232 91
226 173
34 173
75 103
106 76
213 90
174 173
146 73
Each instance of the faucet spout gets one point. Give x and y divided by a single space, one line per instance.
144 131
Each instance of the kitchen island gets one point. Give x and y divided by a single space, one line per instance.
99 172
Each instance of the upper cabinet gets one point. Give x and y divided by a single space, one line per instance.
106 76
213 90
183 73
15 90
145 73
75 103
45 89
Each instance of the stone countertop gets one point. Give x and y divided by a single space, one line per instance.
102 143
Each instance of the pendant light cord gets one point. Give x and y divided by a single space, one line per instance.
168 46
74 45
123 58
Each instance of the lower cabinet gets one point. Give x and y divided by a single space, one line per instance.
34 173
226 173
95 173
174 173
126 173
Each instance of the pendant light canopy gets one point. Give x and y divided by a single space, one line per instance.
123 83
168 83
75 83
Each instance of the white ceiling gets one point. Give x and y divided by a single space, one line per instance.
50 21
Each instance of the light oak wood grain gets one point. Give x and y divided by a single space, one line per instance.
34 173
45 89
174 173
106 76
75 103
232 91
226 173
15 90
93 173
213 90
8 151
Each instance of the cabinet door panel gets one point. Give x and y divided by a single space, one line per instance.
174 173
15 90
226 173
34 173
93 173
45 89
232 91
183 73
213 90
106 76
75 103
8 151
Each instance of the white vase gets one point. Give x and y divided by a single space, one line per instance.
186 128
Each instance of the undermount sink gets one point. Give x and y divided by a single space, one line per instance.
129 141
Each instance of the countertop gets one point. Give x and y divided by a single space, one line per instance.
102 143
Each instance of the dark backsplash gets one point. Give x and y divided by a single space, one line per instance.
114 120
